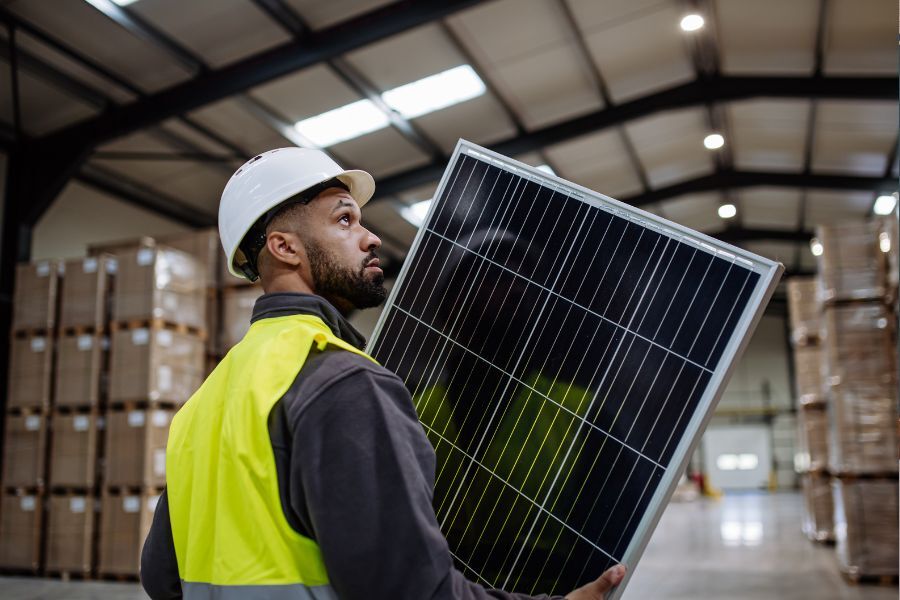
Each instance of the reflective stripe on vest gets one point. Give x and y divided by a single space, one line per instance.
231 537
206 591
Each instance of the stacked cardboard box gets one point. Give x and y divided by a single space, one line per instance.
237 308
812 417
866 526
27 423
79 397
818 516
125 521
860 365
157 352
852 265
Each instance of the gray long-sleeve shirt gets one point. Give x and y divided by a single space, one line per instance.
355 474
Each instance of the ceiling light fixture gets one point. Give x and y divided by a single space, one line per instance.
714 141
435 92
885 204
884 242
816 247
727 211
344 123
692 22
546 169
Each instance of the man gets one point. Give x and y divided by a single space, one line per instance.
299 468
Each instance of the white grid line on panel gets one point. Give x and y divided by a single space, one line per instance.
596 314
533 389
521 493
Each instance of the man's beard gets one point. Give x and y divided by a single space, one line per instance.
342 285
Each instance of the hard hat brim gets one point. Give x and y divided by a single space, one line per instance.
361 184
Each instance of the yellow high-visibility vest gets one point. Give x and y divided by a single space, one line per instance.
231 537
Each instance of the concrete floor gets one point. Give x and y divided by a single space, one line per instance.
743 547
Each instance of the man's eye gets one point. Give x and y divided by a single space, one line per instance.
345 219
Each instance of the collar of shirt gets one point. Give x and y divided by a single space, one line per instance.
281 304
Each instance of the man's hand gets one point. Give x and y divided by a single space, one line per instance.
596 590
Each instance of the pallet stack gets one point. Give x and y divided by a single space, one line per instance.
22 508
859 363
812 415
79 397
157 349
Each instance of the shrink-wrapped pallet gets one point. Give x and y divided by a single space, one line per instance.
858 343
803 310
70 534
34 303
237 308
161 365
156 283
812 438
808 374
851 266
865 514
863 428
85 298
30 372
818 507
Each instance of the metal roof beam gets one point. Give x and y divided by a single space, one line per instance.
722 88
745 179
139 195
255 70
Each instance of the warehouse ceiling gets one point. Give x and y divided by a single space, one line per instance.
171 96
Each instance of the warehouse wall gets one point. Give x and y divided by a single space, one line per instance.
764 364
81 216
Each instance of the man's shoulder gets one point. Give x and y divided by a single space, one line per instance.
324 371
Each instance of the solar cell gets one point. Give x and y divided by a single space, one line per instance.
564 352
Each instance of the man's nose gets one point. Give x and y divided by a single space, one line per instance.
370 241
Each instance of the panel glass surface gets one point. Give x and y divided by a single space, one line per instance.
556 348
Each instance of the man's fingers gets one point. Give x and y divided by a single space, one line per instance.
610 578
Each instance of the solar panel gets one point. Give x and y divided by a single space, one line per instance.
564 352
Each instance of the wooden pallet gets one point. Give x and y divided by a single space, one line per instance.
30 332
126 405
862 579
24 411
76 409
19 572
120 577
157 324
71 490
69 575
79 330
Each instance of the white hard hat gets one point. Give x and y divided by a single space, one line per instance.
267 180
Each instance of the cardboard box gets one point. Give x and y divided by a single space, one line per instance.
858 343
85 297
812 438
889 244
863 428
79 365
204 245
21 519
73 450
818 507
237 308
154 364
808 375
803 309
851 266
160 283
30 361
70 533
34 301
865 514
136 447
25 451
125 522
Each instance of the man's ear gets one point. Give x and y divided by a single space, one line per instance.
285 247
